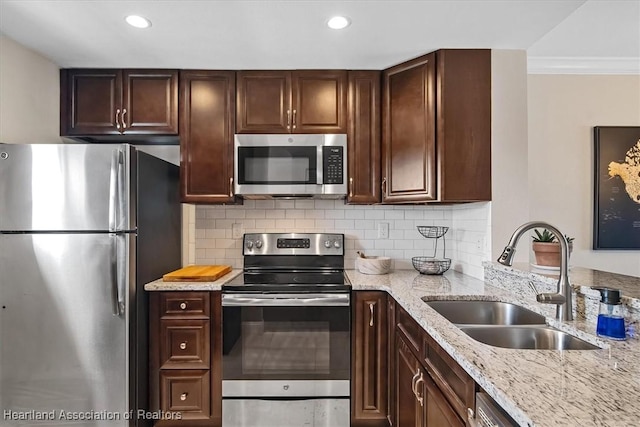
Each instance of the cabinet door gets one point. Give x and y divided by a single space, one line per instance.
439 411
363 137
409 410
464 124
90 102
319 101
408 139
369 359
206 136
264 102
150 102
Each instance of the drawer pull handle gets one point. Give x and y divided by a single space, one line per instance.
183 396
183 306
370 314
419 396
183 346
116 119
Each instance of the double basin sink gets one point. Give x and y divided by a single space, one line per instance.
506 325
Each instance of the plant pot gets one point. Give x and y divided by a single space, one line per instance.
548 253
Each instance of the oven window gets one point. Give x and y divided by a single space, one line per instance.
277 165
271 343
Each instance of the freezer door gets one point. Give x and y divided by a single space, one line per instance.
65 187
61 346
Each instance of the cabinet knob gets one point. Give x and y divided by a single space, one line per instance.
183 396
118 119
183 306
183 346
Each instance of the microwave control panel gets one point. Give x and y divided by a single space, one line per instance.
332 161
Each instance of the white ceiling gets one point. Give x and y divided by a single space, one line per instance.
264 34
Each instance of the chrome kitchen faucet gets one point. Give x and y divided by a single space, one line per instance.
562 298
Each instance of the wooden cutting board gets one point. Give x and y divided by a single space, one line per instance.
197 273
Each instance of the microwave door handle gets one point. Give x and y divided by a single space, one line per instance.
319 166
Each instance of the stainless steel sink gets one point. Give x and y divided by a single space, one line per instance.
485 313
506 325
526 338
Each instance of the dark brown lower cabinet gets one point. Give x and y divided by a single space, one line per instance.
185 352
430 388
409 403
369 378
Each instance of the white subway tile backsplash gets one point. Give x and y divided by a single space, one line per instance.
374 214
466 241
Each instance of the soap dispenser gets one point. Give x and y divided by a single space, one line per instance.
610 318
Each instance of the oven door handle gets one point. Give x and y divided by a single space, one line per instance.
285 300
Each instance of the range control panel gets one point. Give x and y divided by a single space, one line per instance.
293 244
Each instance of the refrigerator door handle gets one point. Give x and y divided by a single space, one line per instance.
113 194
115 275
116 190
119 267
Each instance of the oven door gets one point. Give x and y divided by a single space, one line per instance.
284 357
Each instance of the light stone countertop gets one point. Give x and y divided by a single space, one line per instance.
536 387
160 285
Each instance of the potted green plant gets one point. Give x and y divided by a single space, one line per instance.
547 248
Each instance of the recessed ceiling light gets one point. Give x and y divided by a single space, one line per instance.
138 21
338 22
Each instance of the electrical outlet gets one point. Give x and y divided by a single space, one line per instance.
480 244
383 230
237 231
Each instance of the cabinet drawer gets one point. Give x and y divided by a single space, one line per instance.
186 392
184 305
456 385
413 332
185 344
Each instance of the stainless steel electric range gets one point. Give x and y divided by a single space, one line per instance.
286 334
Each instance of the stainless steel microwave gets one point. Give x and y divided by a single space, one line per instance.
290 166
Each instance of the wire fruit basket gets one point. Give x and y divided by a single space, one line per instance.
433 264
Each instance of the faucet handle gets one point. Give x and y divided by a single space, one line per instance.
533 287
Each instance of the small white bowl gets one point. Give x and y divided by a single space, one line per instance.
373 265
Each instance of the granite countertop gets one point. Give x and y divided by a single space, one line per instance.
160 285
536 387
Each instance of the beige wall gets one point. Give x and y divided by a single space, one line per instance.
29 96
562 112
509 180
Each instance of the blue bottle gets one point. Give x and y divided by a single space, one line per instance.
610 318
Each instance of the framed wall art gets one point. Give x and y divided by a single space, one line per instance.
616 187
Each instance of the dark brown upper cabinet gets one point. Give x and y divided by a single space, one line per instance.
409 140
292 101
363 137
112 102
207 122
436 121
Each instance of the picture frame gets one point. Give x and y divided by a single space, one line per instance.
616 217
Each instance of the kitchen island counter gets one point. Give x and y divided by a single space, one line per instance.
536 387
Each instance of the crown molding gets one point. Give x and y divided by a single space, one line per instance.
582 65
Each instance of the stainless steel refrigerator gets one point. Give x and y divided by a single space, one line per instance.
82 228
